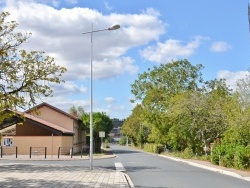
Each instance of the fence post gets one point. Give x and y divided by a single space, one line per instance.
16 151
45 152
30 152
81 151
71 152
58 152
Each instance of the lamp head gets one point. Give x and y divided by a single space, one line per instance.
114 27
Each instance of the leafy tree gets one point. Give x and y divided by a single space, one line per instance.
133 126
155 88
78 112
24 76
199 117
101 122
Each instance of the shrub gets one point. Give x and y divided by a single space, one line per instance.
188 153
231 155
122 141
154 148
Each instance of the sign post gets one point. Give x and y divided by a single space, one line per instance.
101 135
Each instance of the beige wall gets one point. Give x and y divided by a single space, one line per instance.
52 143
55 117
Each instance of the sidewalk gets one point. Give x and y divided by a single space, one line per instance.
245 175
40 175
27 175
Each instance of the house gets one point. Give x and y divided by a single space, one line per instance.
43 126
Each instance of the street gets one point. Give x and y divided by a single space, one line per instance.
147 170
150 171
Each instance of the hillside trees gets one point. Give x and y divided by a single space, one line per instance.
155 88
135 128
24 76
180 108
199 117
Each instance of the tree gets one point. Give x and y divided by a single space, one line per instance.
101 122
78 112
199 117
25 76
154 89
243 89
135 127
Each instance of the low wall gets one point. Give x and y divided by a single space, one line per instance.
52 143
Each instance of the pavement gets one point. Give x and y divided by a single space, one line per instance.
25 175
15 174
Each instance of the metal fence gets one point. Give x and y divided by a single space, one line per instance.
8 150
38 151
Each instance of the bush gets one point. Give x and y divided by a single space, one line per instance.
231 155
154 148
188 153
122 141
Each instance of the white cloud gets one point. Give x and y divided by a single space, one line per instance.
68 87
109 100
66 103
220 46
59 34
232 77
171 50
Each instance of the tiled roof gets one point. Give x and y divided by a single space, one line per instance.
54 108
46 124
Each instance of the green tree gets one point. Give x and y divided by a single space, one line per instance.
25 76
101 122
199 117
154 89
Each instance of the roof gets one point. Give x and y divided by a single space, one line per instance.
54 108
14 119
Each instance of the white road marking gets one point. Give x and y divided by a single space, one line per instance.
119 167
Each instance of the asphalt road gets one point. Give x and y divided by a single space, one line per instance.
151 171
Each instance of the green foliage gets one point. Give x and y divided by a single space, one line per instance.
231 155
154 148
135 128
101 122
187 114
26 76
122 141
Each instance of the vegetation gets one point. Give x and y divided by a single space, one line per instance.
25 76
181 112
101 122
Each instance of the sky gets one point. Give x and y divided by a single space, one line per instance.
152 32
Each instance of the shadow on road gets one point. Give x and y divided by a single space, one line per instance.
125 151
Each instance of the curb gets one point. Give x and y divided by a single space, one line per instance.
130 183
225 172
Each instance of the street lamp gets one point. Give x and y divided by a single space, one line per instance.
91 89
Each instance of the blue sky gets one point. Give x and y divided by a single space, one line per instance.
209 32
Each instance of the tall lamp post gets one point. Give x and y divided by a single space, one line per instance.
91 88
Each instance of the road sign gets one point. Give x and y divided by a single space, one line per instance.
102 134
